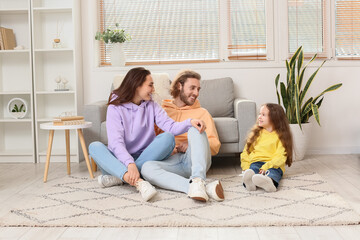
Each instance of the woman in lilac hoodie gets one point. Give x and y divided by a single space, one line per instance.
130 120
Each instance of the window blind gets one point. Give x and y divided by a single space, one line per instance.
347 44
306 21
247 29
163 31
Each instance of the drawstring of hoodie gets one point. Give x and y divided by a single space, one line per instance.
133 108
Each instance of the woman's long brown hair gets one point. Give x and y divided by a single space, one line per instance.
126 92
280 124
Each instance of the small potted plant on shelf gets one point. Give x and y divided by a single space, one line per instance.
116 37
293 92
17 108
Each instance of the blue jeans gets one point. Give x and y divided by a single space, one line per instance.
274 173
159 149
175 172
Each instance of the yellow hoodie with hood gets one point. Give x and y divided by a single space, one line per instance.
196 112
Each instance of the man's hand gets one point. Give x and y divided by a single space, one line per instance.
132 175
182 147
261 171
198 124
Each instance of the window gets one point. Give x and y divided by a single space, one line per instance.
247 29
164 31
347 39
306 26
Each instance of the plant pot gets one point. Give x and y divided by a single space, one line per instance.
117 55
300 139
18 102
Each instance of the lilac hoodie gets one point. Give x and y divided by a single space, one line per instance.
130 128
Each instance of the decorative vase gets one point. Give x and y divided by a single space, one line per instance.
300 140
117 55
18 102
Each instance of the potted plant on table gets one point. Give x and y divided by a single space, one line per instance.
293 92
116 37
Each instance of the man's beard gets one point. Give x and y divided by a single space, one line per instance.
184 98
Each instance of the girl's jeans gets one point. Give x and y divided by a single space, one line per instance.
274 173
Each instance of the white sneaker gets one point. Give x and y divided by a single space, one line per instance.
215 191
247 180
197 190
146 189
264 182
109 181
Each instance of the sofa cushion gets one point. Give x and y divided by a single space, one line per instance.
103 133
227 129
217 96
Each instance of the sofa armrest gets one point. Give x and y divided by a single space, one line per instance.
245 113
95 113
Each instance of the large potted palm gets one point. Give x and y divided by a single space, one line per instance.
292 96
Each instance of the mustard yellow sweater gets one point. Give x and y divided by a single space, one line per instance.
267 148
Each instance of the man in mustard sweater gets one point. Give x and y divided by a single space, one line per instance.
185 171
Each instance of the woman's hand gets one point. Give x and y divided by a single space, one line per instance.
182 147
198 124
261 171
132 175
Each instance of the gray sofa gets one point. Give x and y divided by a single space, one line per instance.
233 117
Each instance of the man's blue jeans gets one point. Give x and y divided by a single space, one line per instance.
159 149
175 172
274 173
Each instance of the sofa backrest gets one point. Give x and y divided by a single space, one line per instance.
161 84
217 96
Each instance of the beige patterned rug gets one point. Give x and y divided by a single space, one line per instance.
77 201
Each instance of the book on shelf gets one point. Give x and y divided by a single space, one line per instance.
68 120
7 39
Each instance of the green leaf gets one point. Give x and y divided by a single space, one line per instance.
329 89
297 106
288 72
320 102
300 61
284 95
21 107
276 86
306 108
293 59
309 83
315 111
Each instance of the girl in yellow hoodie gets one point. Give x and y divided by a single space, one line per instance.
268 148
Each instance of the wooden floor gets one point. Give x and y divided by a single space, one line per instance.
342 172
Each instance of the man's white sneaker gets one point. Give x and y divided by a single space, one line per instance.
197 190
109 181
264 182
247 180
146 189
215 191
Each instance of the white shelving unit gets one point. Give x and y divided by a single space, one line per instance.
17 138
50 17
30 74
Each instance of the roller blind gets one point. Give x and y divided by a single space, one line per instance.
247 24
347 29
306 24
163 31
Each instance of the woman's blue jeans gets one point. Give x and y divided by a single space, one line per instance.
159 149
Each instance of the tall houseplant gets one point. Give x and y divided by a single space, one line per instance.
292 96
116 37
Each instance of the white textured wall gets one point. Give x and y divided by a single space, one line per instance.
339 114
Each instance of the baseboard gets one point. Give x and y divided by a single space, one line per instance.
334 150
